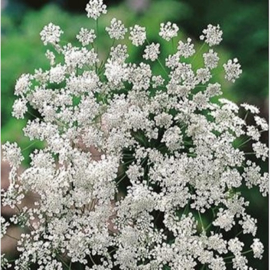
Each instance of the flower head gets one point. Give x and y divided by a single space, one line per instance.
51 34
212 35
117 29
151 52
168 30
86 36
232 70
137 35
95 8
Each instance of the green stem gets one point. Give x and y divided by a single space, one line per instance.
162 67
121 179
62 260
92 259
197 53
239 233
244 142
200 217
31 144
242 253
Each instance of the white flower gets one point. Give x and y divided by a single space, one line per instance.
186 49
95 8
12 153
235 246
173 138
19 108
119 53
213 90
261 150
137 35
257 248
163 120
253 109
232 70
200 100
249 225
115 72
211 59
134 172
253 132
22 85
261 122
117 29
57 74
203 75
157 81
4 225
212 35
151 52
225 220
51 34
168 30
86 36
78 57
172 61
50 55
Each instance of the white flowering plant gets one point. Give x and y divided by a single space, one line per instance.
140 169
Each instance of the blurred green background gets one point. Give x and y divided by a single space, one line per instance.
245 36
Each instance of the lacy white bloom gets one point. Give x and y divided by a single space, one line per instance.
172 61
213 90
78 57
257 248
57 74
232 70
186 49
211 59
157 81
19 108
119 53
137 35
253 132
151 51
12 153
261 123
86 36
51 56
115 72
261 150
4 225
249 225
203 75
51 34
235 246
173 138
140 167
168 30
95 8
117 29
22 85
212 35
253 109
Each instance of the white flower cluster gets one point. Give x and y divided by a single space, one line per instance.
140 170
